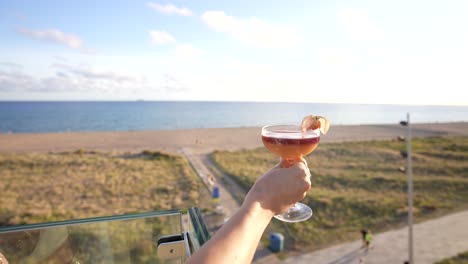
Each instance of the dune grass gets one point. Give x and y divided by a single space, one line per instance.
358 185
461 258
43 187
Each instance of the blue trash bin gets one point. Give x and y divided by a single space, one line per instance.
216 192
276 242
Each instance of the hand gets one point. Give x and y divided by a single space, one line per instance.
280 188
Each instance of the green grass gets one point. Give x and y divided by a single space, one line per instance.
357 185
58 186
461 258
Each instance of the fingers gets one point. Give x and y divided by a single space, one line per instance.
305 162
288 162
303 166
304 174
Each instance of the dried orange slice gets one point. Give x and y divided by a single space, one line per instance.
312 122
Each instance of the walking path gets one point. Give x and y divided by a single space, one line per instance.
434 240
228 203
206 170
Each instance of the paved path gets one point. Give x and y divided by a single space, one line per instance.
230 194
226 200
433 240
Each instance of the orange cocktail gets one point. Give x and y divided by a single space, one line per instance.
291 145
291 142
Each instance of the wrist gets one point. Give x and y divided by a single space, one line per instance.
254 208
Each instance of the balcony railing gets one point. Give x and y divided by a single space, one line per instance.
153 237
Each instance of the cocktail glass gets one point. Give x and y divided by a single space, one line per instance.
291 143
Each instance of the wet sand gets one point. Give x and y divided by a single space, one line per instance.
204 140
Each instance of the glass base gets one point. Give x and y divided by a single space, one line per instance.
298 213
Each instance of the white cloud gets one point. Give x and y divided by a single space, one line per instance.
57 36
97 74
161 37
11 65
181 51
170 9
221 22
338 57
14 80
85 79
186 52
60 58
253 31
173 84
359 27
70 78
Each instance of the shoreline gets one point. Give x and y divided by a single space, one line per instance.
204 140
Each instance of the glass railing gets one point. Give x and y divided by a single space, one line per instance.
153 237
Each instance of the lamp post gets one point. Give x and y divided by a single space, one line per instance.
410 188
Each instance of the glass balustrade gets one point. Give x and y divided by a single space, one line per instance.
153 237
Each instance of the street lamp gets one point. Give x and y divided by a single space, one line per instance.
409 173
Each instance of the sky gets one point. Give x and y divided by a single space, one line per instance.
378 52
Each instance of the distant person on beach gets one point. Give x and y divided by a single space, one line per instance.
363 233
273 193
368 240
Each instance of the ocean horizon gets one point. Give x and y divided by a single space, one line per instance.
76 116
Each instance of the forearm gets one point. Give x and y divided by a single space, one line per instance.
237 240
271 194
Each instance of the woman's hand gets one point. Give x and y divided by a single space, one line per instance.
280 188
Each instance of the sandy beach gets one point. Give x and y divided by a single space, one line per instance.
96 192
204 140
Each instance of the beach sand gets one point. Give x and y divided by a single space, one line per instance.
203 141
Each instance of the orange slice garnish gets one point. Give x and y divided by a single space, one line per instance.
312 122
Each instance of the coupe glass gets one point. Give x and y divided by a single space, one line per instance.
291 143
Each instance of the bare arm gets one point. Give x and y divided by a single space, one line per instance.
273 193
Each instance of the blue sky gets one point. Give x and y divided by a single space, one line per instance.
396 52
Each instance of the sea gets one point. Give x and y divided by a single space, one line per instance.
43 117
